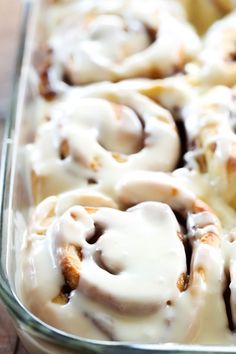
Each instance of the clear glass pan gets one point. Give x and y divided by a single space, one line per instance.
15 205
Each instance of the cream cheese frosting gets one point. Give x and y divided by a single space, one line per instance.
102 40
97 138
132 275
210 125
127 246
216 63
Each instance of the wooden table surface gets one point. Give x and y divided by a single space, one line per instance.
10 11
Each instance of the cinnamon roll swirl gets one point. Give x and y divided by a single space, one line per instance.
205 236
93 41
210 126
93 139
124 275
216 63
127 246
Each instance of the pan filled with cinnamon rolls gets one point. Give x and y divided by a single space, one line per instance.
132 170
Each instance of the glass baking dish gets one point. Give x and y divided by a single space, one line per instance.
16 203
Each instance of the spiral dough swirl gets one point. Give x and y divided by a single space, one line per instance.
93 41
105 265
94 139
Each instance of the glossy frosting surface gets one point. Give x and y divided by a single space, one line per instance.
133 169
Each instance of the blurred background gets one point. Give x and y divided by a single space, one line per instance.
9 32
10 16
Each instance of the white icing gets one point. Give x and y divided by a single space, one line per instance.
216 62
99 40
200 185
132 282
209 121
143 186
128 287
141 237
97 128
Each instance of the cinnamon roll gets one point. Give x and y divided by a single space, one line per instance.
93 138
204 234
91 41
124 275
135 241
210 126
216 63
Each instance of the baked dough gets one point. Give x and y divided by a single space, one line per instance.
91 41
